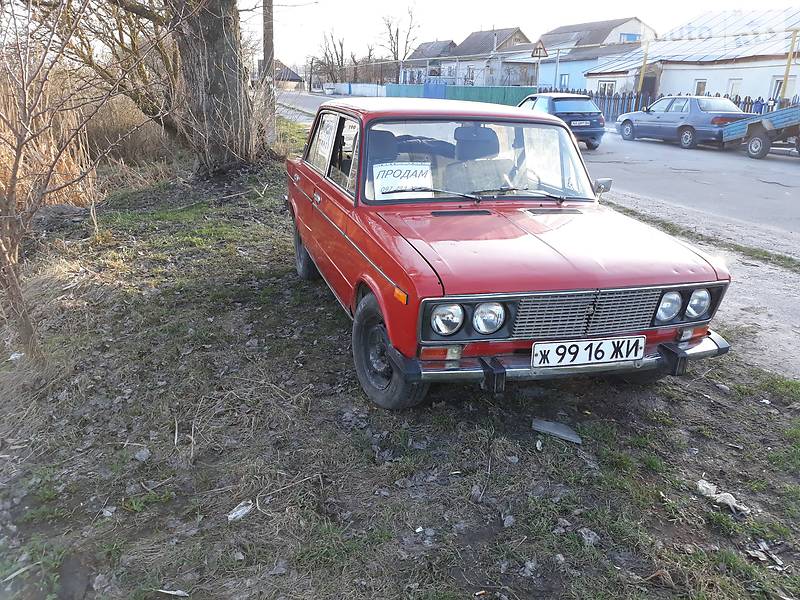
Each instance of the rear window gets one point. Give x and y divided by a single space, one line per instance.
580 105
717 105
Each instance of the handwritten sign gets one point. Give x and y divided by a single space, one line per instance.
400 176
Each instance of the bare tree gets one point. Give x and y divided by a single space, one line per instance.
333 58
197 75
45 104
400 38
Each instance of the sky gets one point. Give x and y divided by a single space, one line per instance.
300 25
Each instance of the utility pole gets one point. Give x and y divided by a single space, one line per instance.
269 44
789 60
311 76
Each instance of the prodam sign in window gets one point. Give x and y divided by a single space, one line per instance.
389 177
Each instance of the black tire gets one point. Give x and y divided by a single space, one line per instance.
758 145
592 145
305 267
627 131
380 380
797 144
687 138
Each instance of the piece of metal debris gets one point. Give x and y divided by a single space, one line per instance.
241 510
178 593
558 430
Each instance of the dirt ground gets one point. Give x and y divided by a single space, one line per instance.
191 371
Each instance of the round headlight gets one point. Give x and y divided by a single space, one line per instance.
447 318
670 307
488 317
699 304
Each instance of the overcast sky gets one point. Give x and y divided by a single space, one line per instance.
301 24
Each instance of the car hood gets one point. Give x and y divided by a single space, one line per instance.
502 250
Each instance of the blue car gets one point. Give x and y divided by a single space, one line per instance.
579 112
689 120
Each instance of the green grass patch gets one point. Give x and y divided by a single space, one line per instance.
331 546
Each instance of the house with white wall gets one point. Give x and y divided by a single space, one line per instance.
574 49
426 61
478 59
735 53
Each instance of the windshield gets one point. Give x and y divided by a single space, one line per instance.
579 105
423 160
717 105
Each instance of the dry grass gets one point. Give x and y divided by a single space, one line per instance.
42 151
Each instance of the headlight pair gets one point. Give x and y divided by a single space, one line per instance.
487 318
671 303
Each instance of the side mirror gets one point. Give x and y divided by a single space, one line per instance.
646 109
602 185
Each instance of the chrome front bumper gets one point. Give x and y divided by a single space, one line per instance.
493 371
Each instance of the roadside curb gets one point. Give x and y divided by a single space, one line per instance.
300 110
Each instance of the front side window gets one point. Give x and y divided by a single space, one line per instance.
320 151
436 159
344 162
661 105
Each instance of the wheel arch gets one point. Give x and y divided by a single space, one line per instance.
384 294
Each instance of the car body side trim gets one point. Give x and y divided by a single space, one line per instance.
349 239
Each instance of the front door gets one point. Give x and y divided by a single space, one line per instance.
650 121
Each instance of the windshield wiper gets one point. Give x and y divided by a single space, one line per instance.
433 190
536 193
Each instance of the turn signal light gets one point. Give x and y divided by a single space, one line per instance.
441 353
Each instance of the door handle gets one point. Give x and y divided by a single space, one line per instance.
296 177
316 198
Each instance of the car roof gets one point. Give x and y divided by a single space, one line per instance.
558 95
374 108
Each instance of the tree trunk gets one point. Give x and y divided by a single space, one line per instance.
215 75
17 307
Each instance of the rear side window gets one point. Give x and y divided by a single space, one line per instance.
344 163
319 153
581 105
679 105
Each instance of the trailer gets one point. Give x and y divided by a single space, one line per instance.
759 132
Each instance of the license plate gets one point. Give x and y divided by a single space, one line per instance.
587 352
580 123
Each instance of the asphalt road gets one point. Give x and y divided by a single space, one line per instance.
725 185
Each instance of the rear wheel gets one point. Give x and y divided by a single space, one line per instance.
688 138
305 267
627 131
381 381
592 144
758 145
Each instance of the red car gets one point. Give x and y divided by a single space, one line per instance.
466 241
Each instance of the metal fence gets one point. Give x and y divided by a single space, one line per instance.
614 105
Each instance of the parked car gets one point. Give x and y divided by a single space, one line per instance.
689 120
467 243
579 112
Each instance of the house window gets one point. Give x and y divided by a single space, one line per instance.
563 81
629 37
734 87
700 87
777 87
606 87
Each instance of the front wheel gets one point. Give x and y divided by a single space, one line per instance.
379 378
688 138
627 131
758 145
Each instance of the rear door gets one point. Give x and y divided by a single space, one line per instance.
674 118
310 176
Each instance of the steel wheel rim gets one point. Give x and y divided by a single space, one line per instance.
379 367
755 145
687 138
627 129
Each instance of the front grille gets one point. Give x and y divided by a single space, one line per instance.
580 314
